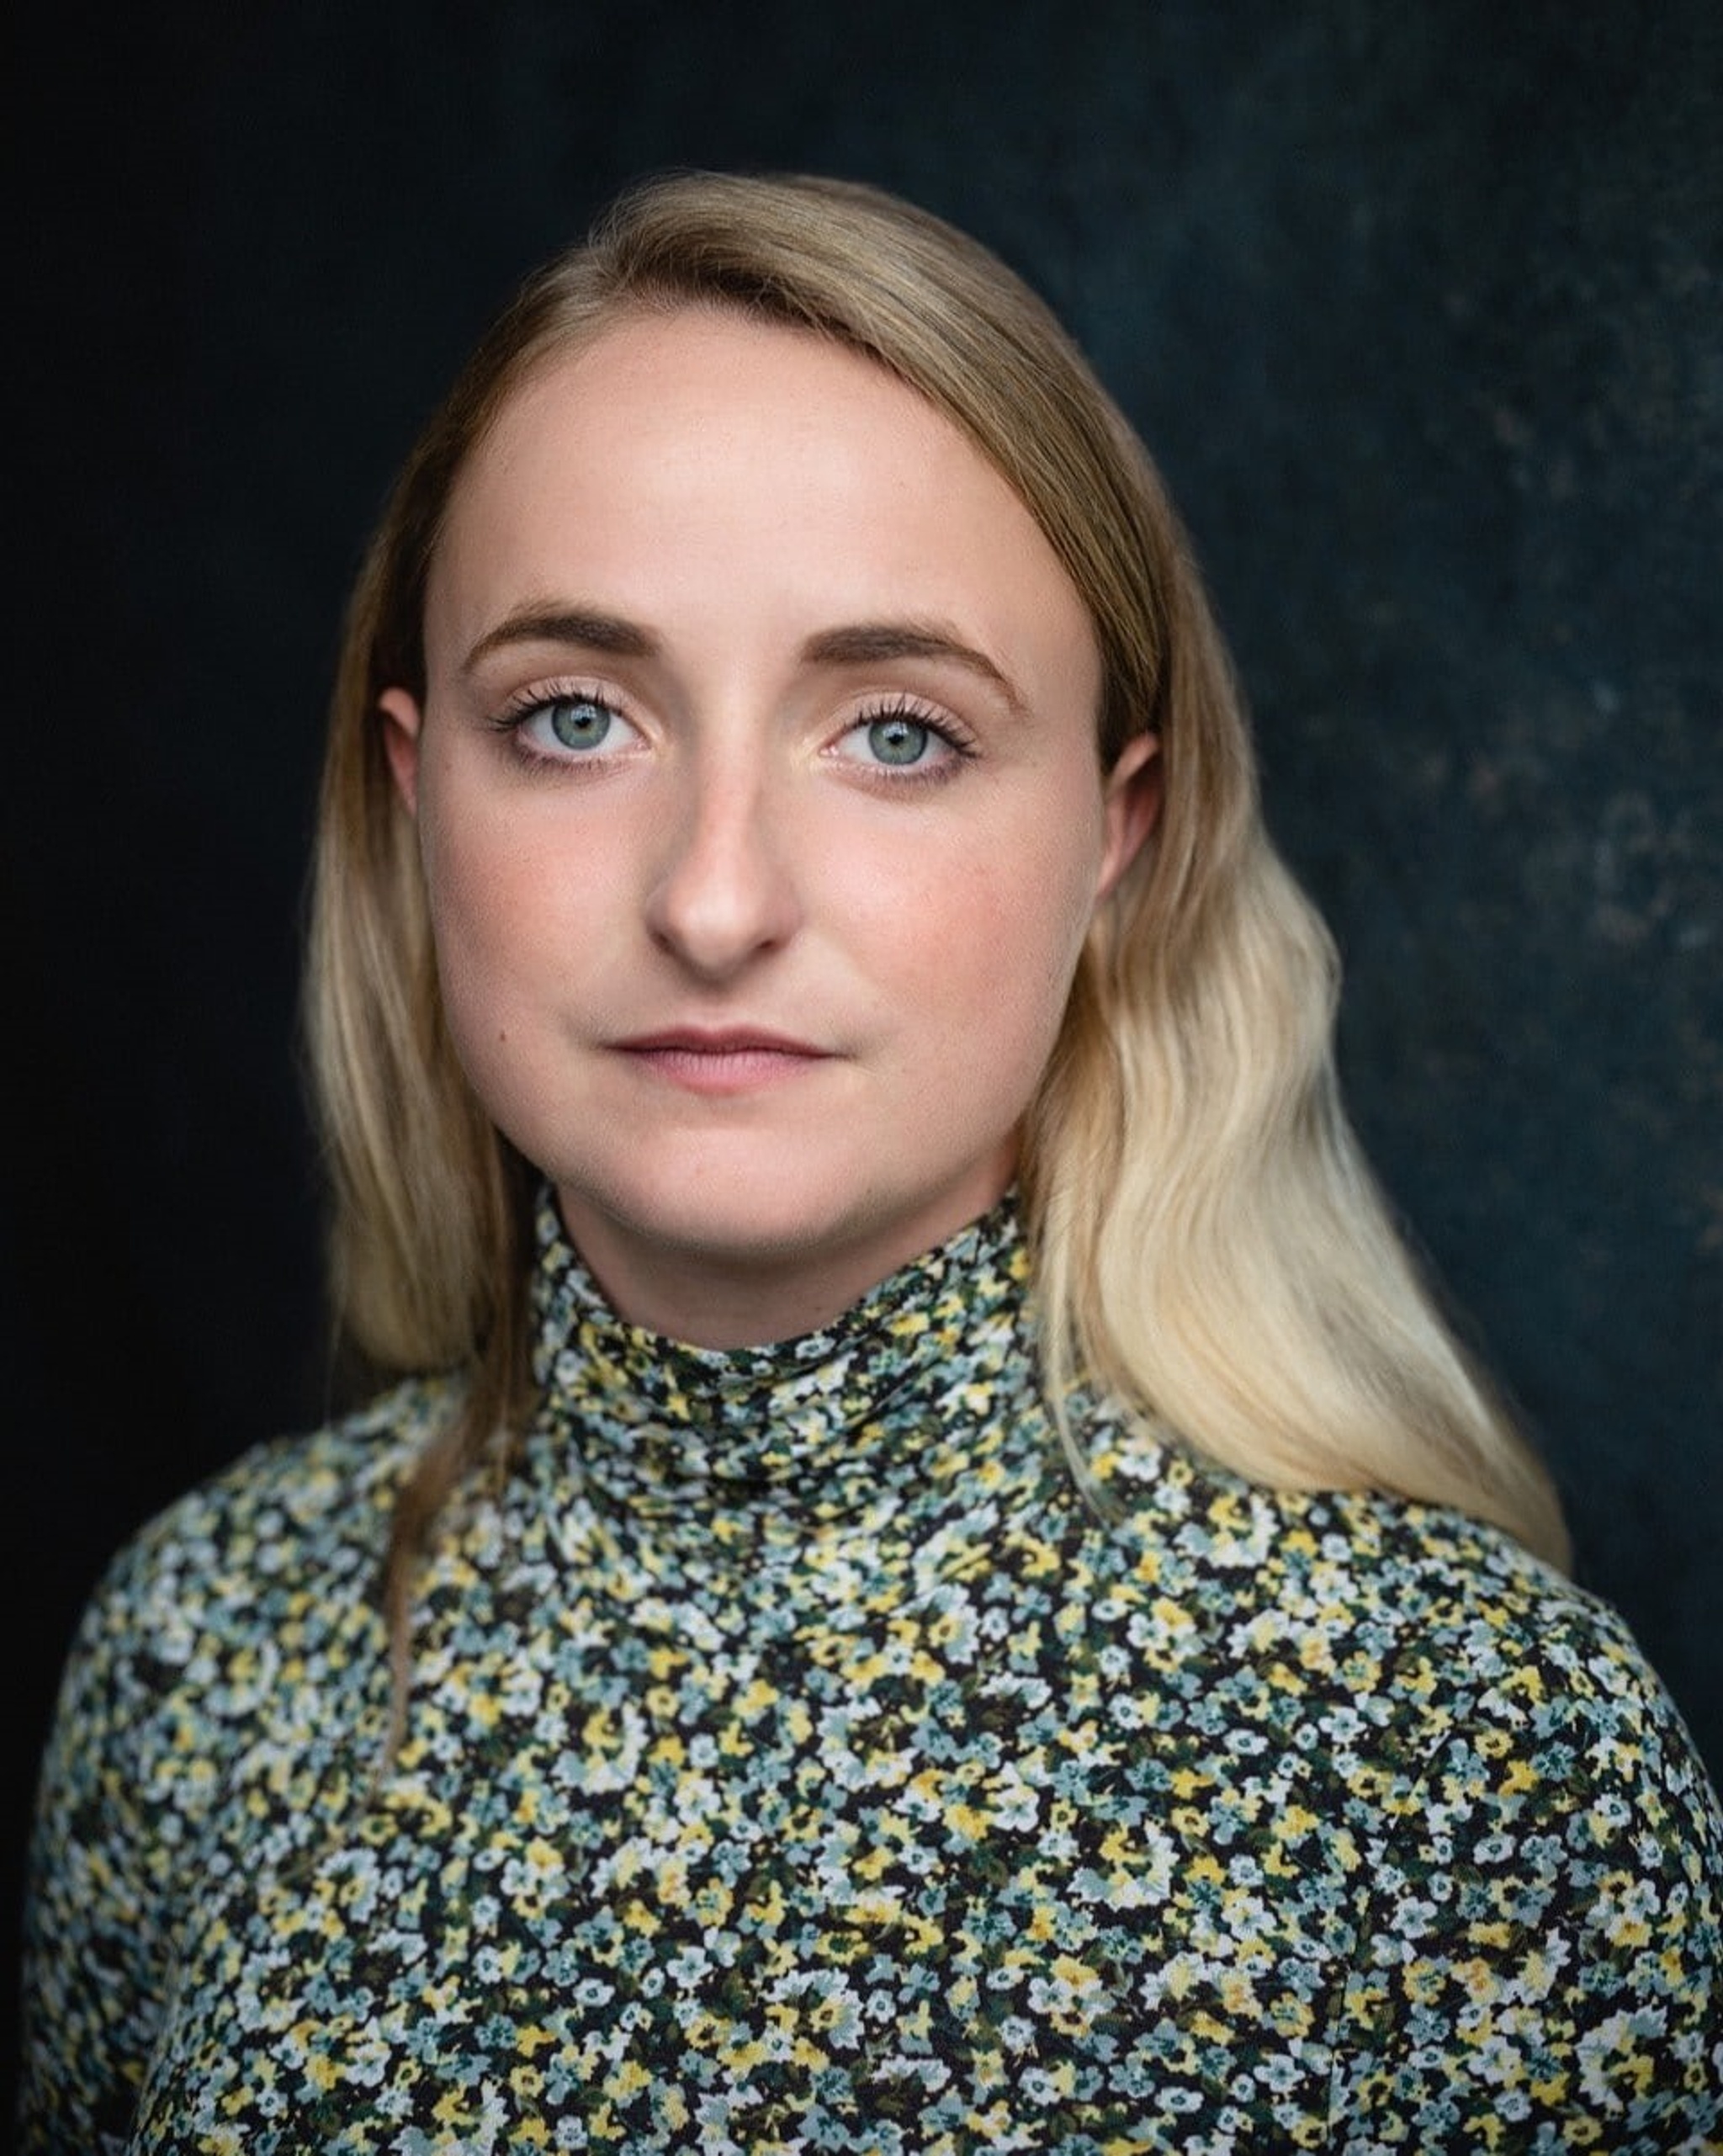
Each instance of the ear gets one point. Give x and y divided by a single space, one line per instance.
1132 807
403 724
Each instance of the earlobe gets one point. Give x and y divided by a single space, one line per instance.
1132 807
403 722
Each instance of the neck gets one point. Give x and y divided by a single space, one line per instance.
729 1457
730 1299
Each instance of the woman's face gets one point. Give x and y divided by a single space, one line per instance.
761 813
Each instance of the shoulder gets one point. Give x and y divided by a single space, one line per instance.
219 1668
1385 1600
288 1514
269 1567
1477 1645
1531 1850
1425 1656
1542 1845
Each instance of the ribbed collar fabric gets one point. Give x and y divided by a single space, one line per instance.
931 1379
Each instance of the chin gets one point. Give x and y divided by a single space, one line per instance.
757 1220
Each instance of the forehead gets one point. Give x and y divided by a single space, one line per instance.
649 376
675 454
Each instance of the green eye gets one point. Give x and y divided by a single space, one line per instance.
579 722
898 740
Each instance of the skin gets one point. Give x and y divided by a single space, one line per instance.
757 966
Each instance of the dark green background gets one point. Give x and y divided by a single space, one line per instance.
1419 308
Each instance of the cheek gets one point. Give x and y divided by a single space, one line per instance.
480 899
497 920
996 939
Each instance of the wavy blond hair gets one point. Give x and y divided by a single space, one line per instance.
1209 1244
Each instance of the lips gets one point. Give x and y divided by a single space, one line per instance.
727 1040
722 1060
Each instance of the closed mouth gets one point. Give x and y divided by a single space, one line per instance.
739 1040
730 1060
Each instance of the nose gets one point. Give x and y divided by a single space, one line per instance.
725 892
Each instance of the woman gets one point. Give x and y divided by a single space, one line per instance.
946 1587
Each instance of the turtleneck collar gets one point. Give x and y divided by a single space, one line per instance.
928 1383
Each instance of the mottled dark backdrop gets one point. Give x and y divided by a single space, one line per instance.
1418 306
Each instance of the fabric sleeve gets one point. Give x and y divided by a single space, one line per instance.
96 1924
1540 1965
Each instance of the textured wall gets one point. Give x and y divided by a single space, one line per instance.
1420 309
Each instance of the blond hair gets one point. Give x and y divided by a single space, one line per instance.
1209 1245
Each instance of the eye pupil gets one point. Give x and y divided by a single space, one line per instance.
898 740
579 722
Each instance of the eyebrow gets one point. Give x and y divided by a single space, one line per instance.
558 624
863 643
868 643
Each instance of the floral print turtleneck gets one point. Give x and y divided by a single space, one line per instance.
797 1761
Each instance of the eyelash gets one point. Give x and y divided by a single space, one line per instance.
514 717
939 725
